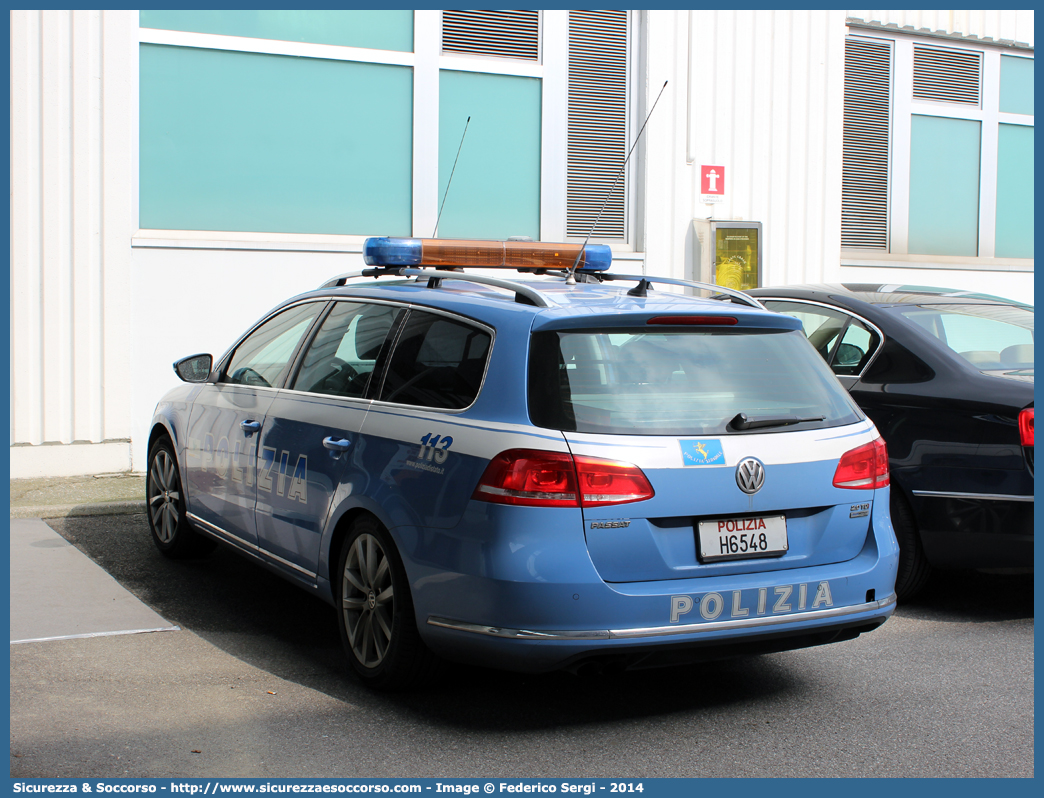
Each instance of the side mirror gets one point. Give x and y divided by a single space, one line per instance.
195 368
848 355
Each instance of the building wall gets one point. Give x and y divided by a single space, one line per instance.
73 120
1009 26
991 249
760 93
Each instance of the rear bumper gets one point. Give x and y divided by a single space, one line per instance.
870 609
543 626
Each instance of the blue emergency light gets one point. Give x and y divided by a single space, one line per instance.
456 253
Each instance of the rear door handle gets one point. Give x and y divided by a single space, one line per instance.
336 444
250 427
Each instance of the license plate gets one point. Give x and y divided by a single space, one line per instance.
742 538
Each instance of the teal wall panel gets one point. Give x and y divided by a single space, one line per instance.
1015 192
1016 87
241 141
380 30
944 186
496 188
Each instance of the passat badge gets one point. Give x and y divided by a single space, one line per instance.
698 453
621 524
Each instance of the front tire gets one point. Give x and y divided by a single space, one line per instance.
914 568
171 531
375 611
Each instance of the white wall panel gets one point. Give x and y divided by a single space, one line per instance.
765 99
1014 26
1017 286
73 124
26 328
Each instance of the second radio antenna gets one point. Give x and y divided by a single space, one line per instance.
570 279
450 181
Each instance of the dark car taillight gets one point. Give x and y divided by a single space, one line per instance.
1026 426
863 468
535 478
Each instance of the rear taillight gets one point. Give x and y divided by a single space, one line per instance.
528 477
549 479
1026 426
610 482
864 468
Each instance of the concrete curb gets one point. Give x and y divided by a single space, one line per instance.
70 510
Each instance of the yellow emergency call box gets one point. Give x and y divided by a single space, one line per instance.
726 253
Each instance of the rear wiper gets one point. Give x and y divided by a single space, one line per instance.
742 421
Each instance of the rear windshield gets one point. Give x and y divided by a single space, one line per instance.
680 383
990 337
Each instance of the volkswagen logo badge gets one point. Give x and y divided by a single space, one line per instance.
750 475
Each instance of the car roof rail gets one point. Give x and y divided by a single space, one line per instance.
528 295
524 294
340 279
639 290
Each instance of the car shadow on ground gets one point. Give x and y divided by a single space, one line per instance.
262 620
972 597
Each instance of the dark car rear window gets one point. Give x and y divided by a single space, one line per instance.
990 337
630 381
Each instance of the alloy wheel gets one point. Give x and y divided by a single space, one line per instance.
164 496
368 600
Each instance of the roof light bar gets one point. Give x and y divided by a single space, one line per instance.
447 252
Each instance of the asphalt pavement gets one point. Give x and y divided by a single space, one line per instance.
253 684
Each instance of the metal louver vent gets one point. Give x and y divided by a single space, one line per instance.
948 76
867 128
597 122
504 34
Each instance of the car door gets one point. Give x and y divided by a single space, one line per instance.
311 431
226 417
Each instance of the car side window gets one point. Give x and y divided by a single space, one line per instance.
341 358
261 358
857 346
822 326
437 362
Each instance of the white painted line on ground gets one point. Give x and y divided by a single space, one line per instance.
97 634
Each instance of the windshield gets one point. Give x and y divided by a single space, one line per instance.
990 337
681 383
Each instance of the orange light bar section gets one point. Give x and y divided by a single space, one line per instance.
499 254
390 252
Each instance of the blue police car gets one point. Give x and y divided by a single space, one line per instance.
565 468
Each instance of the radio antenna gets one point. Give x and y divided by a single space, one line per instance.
450 181
570 279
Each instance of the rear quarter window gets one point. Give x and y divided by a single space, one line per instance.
438 362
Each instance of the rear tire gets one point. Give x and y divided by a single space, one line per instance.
375 611
165 506
914 569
